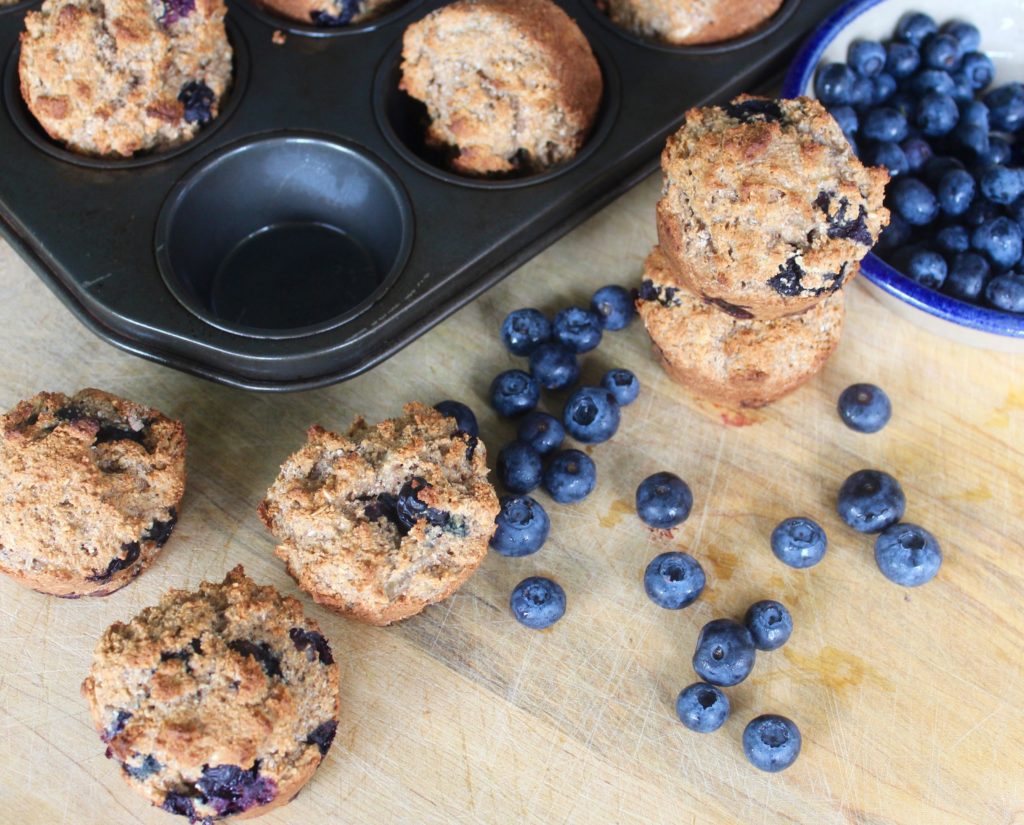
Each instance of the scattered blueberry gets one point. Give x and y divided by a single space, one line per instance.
864 408
799 542
769 623
907 554
519 467
866 57
579 329
915 28
725 653
537 602
591 415
1006 292
198 100
522 526
541 431
622 384
1006 107
465 420
703 708
870 500
613 305
771 742
833 84
978 68
674 580
523 329
513 393
663 500
570 476
554 366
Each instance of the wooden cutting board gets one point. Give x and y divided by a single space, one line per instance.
910 701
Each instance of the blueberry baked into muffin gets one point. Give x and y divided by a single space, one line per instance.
330 13
765 209
115 77
510 86
217 702
90 486
689 22
387 519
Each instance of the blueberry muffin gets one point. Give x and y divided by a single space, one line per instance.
731 359
690 22
381 522
90 487
509 85
330 13
216 702
114 77
764 206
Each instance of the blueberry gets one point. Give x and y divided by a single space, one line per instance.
915 27
622 384
1006 107
967 35
883 87
591 415
523 329
862 93
519 467
833 85
145 769
981 211
703 708
968 274
409 510
231 790
978 68
846 117
924 266
1006 292
999 151
613 305
465 420
1000 240
1001 184
314 643
554 366
936 114
799 542
973 140
891 156
537 602
914 201
974 112
771 742
937 166
866 57
963 91
663 501
1015 211
522 526
917 151
901 59
885 124
175 10
674 580
570 476
864 408
579 329
870 500
198 99
895 235
261 652
541 431
931 81
725 653
903 103
907 554
513 393
953 239
955 191
323 736
942 52
769 623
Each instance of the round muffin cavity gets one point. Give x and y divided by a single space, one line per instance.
733 360
383 521
764 207
216 702
510 86
689 22
111 78
90 487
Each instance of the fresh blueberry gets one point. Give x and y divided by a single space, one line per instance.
968 274
1006 292
579 329
537 602
614 306
522 526
703 708
513 393
953 239
570 476
769 623
591 415
967 35
554 366
937 114
524 329
541 431
942 52
974 141
663 501
833 85
907 554
891 156
895 236
864 408
902 102
918 152
938 165
931 81
922 265
978 68
883 87
519 467
198 99
1000 150
799 542
771 742
901 59
846 117
465 420
862 93
622 384
1001 184
914 201
962 91
975 113
866 57
885 124
981 211
1000 240
674 580
870 500
1006 107
725 653
955 191
915 27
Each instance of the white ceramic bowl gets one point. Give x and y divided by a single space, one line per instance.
1002 37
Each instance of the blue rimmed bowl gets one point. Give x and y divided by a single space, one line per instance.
1002 36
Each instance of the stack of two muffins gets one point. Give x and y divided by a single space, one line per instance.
764 216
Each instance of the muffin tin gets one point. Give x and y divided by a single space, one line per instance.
308 234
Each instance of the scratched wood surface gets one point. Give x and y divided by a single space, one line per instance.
910 701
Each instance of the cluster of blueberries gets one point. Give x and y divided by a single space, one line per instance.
916 106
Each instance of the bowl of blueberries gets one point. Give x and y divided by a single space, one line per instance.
933 91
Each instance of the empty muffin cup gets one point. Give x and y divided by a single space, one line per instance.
284 236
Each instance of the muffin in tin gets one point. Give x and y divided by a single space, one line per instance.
690 22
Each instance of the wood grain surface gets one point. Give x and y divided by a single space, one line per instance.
910 701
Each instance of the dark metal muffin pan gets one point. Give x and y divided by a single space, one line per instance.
308 234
